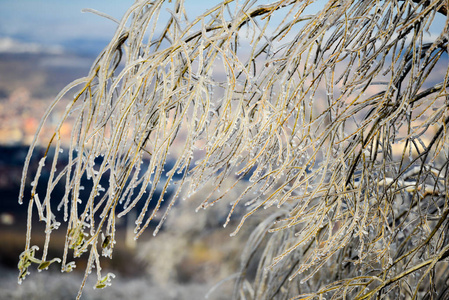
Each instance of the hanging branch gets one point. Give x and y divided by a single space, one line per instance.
326 116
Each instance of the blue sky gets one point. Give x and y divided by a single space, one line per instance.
60 22
53 21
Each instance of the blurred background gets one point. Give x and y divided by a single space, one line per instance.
44 45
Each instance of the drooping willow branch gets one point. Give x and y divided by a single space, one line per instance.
323 115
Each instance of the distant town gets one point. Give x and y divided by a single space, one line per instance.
29 82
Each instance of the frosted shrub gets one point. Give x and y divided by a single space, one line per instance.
336 121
